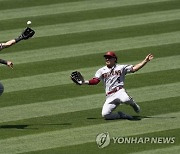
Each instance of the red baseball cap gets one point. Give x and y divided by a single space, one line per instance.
110 53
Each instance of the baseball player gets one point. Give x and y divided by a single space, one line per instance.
26 34
6 45
113 77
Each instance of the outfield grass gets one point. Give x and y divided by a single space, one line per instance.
42 111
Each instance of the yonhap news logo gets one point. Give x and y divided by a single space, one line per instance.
144 140
103 140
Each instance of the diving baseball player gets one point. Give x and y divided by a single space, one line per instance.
6 45
26 34
113 77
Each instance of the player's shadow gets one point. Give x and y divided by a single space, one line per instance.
93 118
30 125
14 126
136 118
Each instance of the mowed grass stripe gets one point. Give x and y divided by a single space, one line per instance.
69 7
75 136
167 150
60 78
9 4
131 20
87 48
89 14
23 98
71 90
92 25
101 35
93 61
84 118
91 147
19 112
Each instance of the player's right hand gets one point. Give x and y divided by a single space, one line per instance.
149 57
10 64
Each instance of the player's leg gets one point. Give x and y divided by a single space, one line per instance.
109 107
1 88
125 98
134 105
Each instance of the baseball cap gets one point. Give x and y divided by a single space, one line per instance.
110 53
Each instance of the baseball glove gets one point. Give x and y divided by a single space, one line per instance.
27 33
77 78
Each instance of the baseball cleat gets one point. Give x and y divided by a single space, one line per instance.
136 108
125 116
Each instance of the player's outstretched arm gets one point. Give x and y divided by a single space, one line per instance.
77 78
7 44
93 81
10 42
26 34
148 58
8 63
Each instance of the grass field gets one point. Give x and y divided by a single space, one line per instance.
42 111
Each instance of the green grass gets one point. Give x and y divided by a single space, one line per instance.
100 35
62 138
91 14
42 111
117 148
30 3
62 91
82 118
51 66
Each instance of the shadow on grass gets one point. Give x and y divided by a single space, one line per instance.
134 118
26 126
147 117
13 126
93 118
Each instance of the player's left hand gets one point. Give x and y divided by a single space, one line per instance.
149 57
10 64
77 78
26 34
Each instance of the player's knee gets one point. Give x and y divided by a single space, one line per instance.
109 116
105 115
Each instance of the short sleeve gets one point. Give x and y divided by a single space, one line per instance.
128 69
98 74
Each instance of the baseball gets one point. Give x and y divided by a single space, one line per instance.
28 22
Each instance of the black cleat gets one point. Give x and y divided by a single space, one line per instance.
125 116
